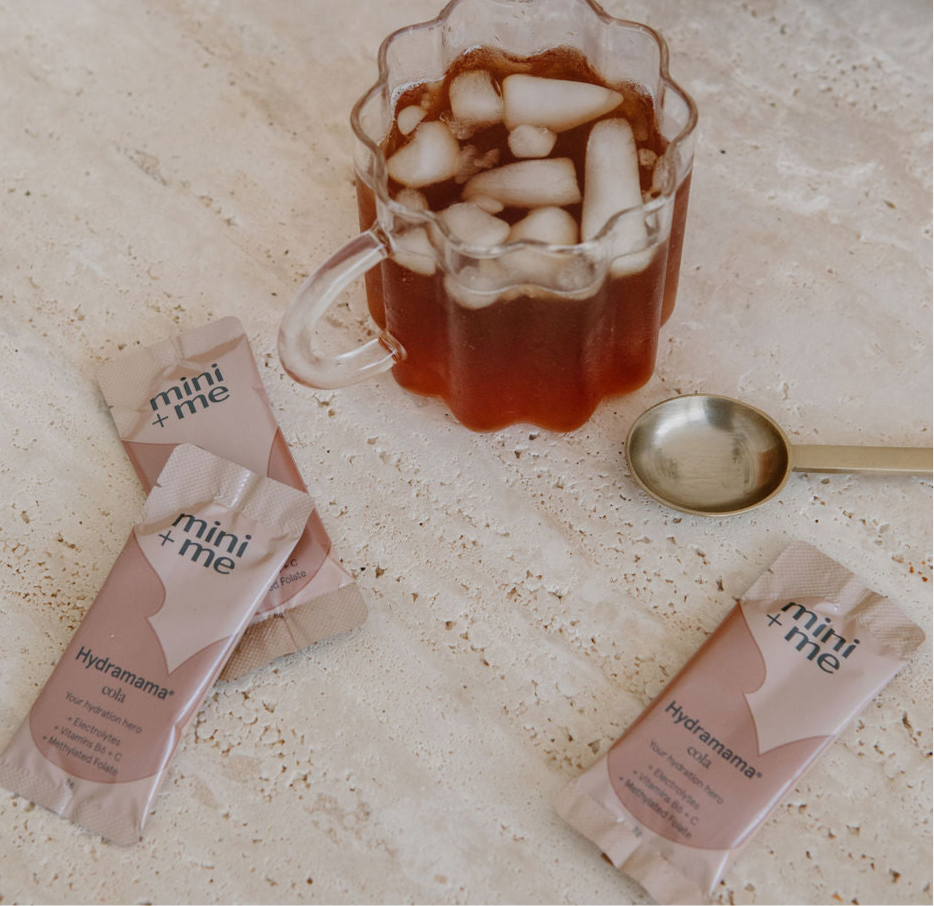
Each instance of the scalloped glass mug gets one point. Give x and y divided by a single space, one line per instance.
523 332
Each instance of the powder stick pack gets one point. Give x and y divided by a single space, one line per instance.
97 741
676 798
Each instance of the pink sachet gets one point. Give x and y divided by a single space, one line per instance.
96 743
202 387
678 796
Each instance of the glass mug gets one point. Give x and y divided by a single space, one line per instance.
521 331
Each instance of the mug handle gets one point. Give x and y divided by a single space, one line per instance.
308 307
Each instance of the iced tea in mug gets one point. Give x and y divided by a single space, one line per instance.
523 169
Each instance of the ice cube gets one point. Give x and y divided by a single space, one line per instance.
611 185
429 157
471 161
647 158
468 297
660 174
478 284
471 224
414 251
550 224
475 99
528 183
490 205
409 117
531 265
627 263
460 129
611 176
412 199
531 141
558 104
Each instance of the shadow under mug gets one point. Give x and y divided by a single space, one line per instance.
523 331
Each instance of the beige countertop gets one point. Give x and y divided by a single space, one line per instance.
165 162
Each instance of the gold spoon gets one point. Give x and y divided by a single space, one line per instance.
714 456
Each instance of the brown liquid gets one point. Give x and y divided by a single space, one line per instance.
546 360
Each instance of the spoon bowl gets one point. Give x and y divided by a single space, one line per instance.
711 455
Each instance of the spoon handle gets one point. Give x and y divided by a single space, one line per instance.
889 460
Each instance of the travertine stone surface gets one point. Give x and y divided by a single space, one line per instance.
169 161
